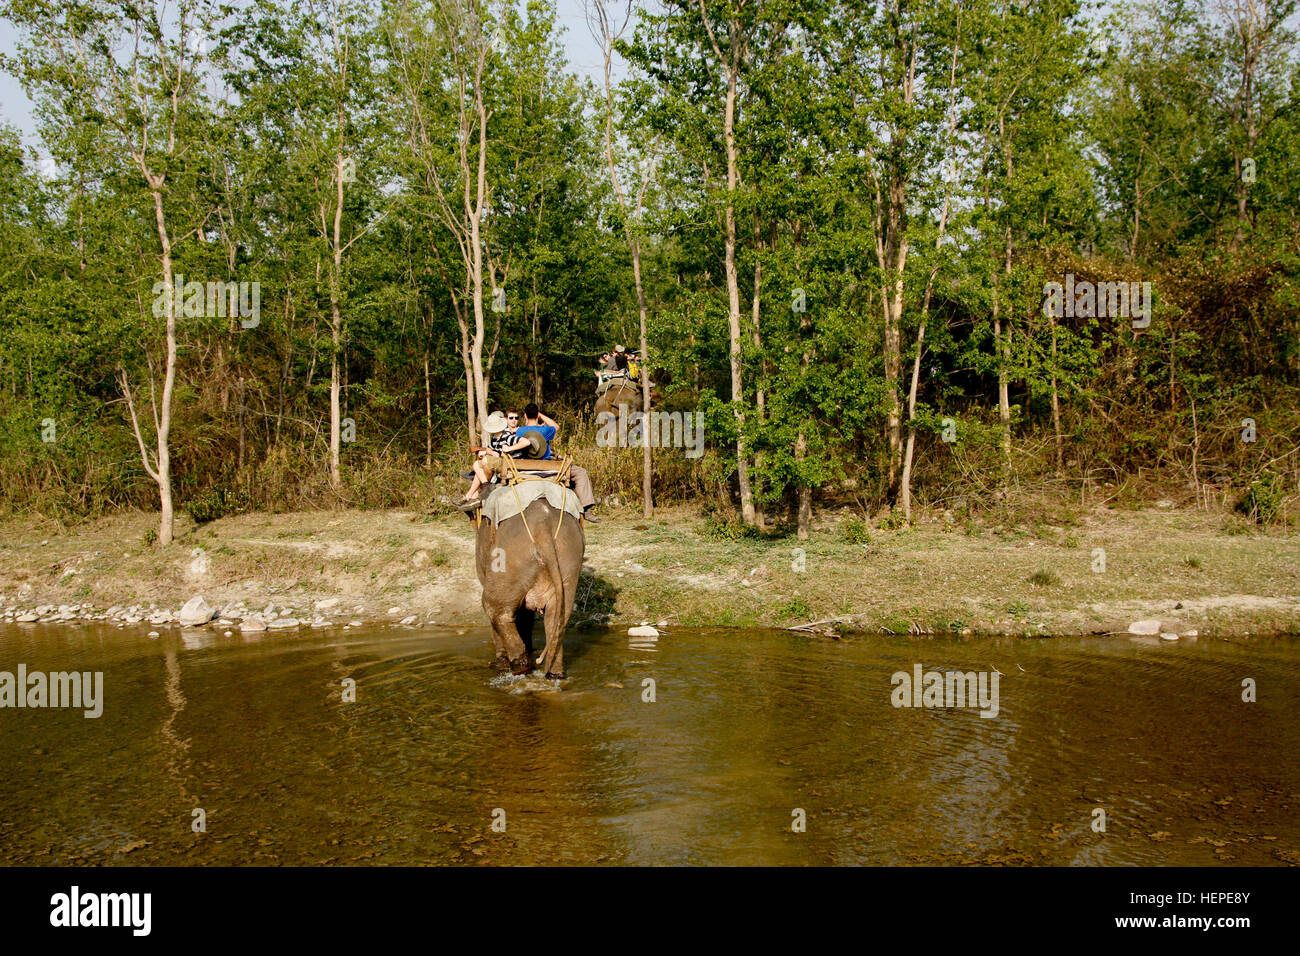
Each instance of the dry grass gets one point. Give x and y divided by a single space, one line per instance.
946 573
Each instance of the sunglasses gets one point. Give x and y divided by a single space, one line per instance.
512 418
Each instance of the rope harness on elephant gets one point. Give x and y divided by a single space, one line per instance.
512 474
620 387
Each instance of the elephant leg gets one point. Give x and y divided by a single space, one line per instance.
503 628
524 619
553 657
501 660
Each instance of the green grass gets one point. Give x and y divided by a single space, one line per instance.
796 608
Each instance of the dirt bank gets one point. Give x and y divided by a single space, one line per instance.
1188 570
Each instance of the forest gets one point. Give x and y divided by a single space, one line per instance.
275 256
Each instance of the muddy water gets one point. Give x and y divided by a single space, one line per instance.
746 728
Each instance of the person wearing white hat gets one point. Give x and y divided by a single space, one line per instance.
486 458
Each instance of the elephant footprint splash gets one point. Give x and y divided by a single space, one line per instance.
534 683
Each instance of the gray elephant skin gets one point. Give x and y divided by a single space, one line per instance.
525 575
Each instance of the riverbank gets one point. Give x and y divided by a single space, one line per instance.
1094 572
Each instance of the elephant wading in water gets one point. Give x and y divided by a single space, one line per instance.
528 563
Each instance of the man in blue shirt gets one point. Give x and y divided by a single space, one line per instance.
535 421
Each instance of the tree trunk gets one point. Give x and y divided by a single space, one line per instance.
747 513
1004 402
906 489
336 328
647 460
1056 409
469 401
607 38
166 524
803 522
428 415
893 310
909 453
476 257
1003 344
760 400
535 388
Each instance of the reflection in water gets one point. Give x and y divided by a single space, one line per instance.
175 746
745 729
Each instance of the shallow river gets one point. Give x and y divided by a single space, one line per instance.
759 747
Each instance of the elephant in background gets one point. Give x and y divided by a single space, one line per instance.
621 392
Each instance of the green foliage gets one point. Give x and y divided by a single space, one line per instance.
730 529
795 608
217 503
897 625
1044 158
855 531
893 521
1262 502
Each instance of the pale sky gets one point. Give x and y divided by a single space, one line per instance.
583 53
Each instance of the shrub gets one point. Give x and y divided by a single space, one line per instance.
855 531
1262 501
729 529
217 503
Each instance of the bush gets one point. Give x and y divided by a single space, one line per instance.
729 529
1262 502
217 503
894 520
855 531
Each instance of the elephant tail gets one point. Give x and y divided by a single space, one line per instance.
551 558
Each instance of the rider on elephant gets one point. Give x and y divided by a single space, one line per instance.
533 441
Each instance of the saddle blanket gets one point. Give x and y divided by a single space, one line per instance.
508 500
